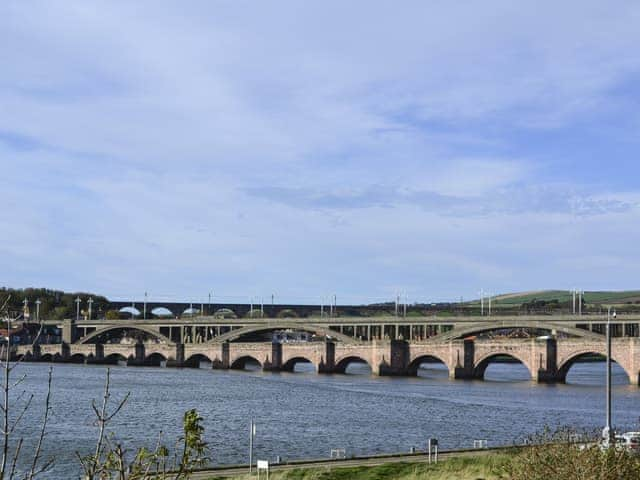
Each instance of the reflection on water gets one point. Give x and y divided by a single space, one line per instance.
304 415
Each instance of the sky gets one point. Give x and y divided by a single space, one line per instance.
305 149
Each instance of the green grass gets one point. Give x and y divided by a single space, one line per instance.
564 296
487 467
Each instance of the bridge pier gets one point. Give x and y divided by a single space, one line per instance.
328 363
465 367
398 359
178 360
548 367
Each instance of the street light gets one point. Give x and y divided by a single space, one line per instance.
607 433
38 302
90 301
77 300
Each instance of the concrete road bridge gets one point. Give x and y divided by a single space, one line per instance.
203 329
547 346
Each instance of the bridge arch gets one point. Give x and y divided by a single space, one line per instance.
242 362
224 313
155 359
479 328
311 328
90 338
565 364
194 360
483 362
162 312
50 357
342 363
115 358
289 365
418 360
131 310
78 358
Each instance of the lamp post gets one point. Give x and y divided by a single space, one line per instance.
404 306
144 307
90 301
77 300
38 302
607 433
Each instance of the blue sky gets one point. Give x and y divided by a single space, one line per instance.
312 148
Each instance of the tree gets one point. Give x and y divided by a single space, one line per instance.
13 411
110 460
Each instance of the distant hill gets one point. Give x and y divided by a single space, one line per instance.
564 296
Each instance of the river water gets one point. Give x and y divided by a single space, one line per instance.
305 415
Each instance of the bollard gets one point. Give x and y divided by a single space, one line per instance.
432 447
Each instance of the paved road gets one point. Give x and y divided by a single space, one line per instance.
350 462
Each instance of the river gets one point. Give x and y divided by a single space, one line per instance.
304 415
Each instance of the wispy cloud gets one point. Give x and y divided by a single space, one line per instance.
511 201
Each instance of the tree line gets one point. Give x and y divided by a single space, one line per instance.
54 304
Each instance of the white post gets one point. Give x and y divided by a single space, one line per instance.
252 434
404 312
90 301
607 433
77 309
397 303
580 296
38 302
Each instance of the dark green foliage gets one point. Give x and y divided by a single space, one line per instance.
55 304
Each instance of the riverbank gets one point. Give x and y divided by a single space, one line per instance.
465 467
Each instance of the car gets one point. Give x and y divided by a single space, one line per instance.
630 441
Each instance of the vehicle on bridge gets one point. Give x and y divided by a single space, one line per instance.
293 336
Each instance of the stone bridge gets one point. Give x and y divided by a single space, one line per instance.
547 359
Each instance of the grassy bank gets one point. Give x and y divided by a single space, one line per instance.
489 467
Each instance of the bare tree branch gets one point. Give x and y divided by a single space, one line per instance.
43 428
15 459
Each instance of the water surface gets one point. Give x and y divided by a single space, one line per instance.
305 415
